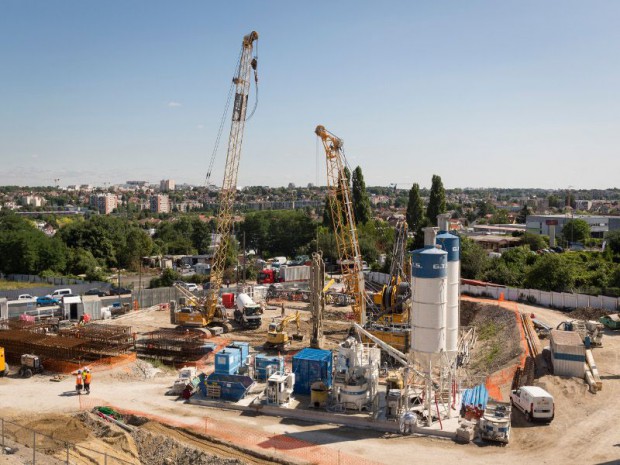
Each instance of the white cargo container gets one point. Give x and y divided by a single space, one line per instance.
294 273
568 354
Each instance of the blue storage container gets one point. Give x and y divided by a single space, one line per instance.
262 362
245 350
310 365
228 361
228 387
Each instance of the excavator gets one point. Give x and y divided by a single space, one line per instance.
210 312
277 337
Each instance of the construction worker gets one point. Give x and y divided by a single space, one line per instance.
87 379
78 382
282 311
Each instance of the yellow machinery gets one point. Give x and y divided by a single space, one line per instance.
4 367
277 337
393 298
339 194
211 312
191 314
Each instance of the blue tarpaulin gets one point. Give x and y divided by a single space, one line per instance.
475 396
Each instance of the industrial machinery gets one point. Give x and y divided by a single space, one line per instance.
4 367
392 299
187 375
279 389
345 231
211 309
356 376
31 364
494 423
590 332
277 337
248 313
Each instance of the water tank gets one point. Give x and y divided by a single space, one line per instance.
452 245
430 280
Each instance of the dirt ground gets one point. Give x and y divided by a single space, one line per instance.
584 430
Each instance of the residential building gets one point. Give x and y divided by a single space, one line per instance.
160 203
104 203
33 200
167 185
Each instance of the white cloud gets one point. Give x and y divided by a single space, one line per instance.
200 126
34 155
173 104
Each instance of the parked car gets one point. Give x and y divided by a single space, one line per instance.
534 402
119 291
47 301
59 293
96 291
191 287
26 297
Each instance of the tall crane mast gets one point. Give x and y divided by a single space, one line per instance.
339 194
242 79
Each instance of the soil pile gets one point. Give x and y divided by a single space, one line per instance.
588 313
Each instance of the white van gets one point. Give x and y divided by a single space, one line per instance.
59 293
534 402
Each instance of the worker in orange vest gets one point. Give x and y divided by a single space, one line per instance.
78 382
87 379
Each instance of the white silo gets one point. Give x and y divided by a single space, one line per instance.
429 282
451 244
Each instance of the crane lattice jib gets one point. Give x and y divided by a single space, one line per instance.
229 186
339 194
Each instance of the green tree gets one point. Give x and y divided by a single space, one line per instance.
361 202
613 241
437 200
138 245
474 259
523 214
533 241
500 217
576 230
552 272
415 209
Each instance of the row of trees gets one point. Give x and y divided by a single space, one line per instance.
417 217
586 272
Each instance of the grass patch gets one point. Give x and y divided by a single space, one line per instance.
488 331
493 353
12 285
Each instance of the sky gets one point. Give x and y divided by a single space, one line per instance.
482 93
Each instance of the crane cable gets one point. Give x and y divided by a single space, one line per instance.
254 67
222 122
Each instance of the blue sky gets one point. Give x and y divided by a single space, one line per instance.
483 93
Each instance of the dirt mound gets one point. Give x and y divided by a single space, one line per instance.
54 431
588 313
157 449
499 341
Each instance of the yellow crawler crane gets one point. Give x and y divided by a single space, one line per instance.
339 194
208 311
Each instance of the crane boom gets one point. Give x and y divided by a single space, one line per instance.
242 80
339 193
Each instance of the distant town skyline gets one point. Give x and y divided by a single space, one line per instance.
484 94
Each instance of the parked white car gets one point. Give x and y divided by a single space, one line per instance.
534 402
26 297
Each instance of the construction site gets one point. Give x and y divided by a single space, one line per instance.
354 368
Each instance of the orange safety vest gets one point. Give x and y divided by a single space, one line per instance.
78 379
87 379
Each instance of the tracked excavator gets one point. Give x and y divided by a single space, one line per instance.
277 337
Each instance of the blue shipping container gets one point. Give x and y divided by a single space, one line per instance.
310 365
262 362
232 387
245 350
228 361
